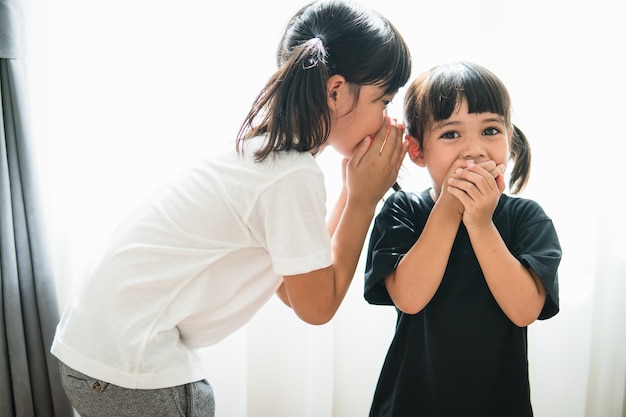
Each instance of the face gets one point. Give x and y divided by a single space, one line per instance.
351 122
449 144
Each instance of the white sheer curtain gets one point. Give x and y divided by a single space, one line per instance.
127 92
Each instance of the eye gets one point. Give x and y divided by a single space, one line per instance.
450 135
387 99
491 131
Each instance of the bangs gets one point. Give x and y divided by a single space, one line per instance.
399 69
483 91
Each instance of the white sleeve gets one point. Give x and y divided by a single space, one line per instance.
290 217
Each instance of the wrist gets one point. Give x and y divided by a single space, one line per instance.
449 212
360 200
450 207
480 229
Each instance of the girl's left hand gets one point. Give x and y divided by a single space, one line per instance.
374 165
478 191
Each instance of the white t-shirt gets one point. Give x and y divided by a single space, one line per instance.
192 266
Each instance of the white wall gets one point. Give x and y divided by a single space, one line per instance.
127 92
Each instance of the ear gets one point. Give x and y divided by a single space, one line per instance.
415 152
335 87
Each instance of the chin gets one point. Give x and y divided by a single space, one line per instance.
346 153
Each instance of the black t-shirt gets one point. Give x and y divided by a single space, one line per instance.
460 355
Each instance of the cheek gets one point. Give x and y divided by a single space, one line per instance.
366 124
372 123
504 155
379 117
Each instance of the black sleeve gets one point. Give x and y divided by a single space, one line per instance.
536 245
395 230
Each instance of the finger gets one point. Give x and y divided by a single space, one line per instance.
385 139
360 150
493 168
395 145
474 186
501 183
383 131
460 195
486 165
477 175
497 171
388 135
461 185
473 174
404 149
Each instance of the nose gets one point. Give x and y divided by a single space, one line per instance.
474 149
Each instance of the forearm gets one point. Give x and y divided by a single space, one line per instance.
418 275
335 214
315 296
347 244
519 293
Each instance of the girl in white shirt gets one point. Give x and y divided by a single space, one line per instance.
198 260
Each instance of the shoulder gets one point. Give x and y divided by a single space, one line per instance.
526 227
279 167
403 210
276 159
407 201
521 208
402 216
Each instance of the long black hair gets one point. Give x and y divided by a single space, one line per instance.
322 39
434 95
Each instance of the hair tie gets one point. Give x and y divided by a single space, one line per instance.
317 53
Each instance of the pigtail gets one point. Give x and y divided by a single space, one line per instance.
292 108
520 155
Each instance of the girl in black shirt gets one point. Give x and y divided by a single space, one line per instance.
467 267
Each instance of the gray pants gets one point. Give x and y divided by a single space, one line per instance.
94 398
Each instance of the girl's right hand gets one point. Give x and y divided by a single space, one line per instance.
452 202
479 191
374 165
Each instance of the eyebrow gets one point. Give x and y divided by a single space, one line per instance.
499 119
445 123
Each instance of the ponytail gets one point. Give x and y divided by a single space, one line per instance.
322 39
520 155
292 103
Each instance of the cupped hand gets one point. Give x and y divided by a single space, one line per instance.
478 188
374 165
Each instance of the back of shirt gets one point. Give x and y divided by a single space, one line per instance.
193 265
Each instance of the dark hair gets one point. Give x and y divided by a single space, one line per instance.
434 95
322 39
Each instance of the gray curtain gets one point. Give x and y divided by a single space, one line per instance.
29 376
